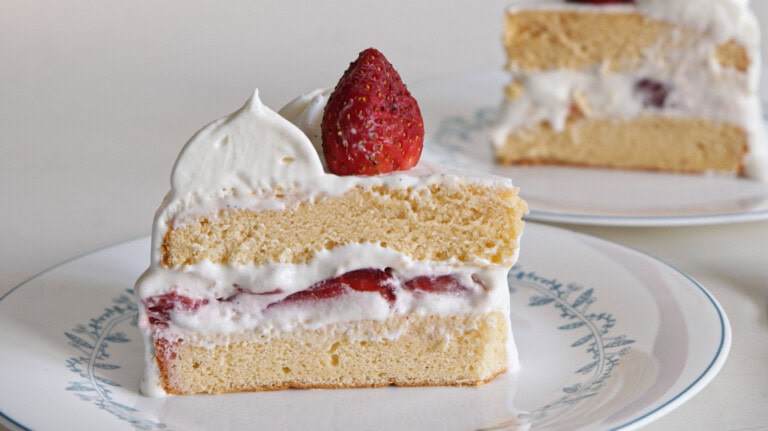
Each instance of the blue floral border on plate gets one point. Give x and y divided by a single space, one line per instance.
573 301
93 339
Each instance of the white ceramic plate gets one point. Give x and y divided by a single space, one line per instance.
609 338
459 111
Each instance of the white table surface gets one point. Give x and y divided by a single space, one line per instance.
97 97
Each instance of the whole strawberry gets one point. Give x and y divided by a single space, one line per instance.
371 124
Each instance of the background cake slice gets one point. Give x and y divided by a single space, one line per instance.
270 272
654 85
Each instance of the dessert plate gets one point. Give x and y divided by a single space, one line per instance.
458 113
609 338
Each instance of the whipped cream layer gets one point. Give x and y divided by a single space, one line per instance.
697 85
258 159
238 298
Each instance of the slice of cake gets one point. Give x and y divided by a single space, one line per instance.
269 271
664 85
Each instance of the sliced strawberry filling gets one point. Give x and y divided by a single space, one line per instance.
376 280
441 284
159 307
380 281
362 280
653 93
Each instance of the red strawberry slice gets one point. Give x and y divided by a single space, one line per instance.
159 307
653 93
441 284
330 288
370 280
371 124
362 280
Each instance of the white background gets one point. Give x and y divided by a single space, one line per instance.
97 98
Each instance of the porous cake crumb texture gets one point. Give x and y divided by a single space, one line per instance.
430 350
439 222
649 142
544 40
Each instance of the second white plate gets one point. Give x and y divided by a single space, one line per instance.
458 113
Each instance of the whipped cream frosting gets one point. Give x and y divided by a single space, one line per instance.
730 96
234 154
306 112
721 20
256 158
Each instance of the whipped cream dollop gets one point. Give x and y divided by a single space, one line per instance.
306 112
238 154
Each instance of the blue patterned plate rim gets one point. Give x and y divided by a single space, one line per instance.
694 386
